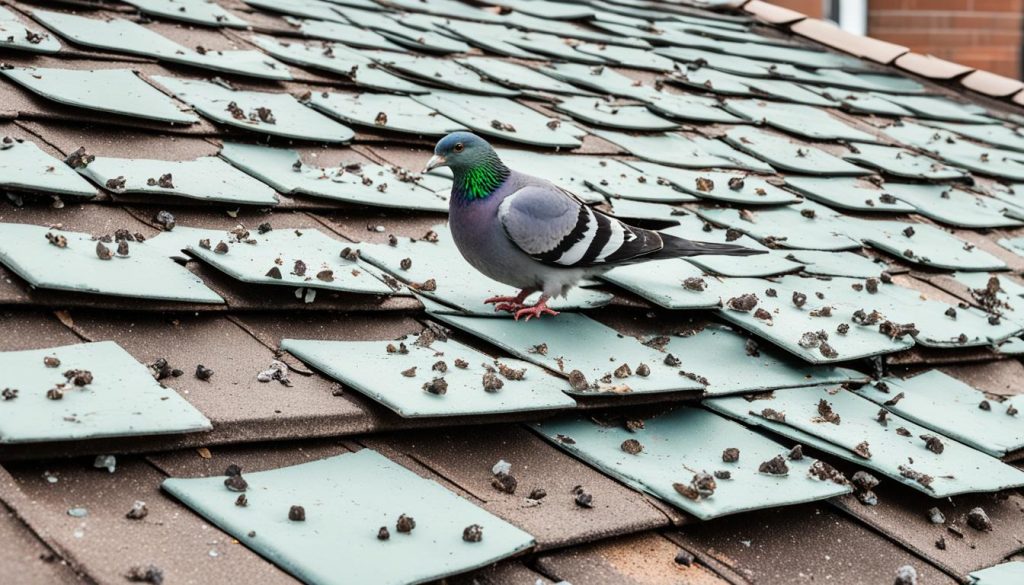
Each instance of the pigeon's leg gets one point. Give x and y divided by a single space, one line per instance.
541 308
510 304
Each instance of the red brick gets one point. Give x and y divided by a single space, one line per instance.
997 5
981 34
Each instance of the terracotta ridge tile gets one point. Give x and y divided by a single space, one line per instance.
991 84
773 14
865 47
930 66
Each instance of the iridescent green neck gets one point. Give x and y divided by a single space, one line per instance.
479 181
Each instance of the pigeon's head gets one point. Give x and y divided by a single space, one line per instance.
461 151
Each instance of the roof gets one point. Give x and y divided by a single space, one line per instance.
229 299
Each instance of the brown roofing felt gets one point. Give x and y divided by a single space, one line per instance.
63 518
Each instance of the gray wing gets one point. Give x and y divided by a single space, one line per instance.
555 228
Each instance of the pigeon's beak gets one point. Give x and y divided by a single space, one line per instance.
434 162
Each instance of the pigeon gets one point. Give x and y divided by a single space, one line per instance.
528 233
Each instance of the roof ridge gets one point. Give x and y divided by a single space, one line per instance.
928 66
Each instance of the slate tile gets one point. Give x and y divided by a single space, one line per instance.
206 178
503 118
849 264
514 75
401 30
377 486
807 226
443 72
447 8
788 155
628 56
613 115
351 35
114 91
950 148
143 273
679 445
22 37
662 283
124 36
492 38
940 108
683 150
807 121
861 102
276 114
384 112
995 134
560 29
1003 573
696 58
612 351
25 166
944 250
901 162
317 10
795 329
545 9
957 470
191 11
114 397
340 60
352 181
400 380
851 193
952 206
948 406
724 187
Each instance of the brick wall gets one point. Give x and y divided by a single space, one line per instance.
985 34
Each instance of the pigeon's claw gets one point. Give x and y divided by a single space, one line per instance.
541 308
509 304
503 300
510 307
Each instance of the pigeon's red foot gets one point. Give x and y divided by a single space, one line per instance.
541 308
510 304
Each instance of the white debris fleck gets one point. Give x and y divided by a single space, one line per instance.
277 371
108 462
906 575
501 466
78 512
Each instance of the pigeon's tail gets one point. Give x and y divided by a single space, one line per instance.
678 247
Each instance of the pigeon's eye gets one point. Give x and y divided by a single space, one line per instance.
458 147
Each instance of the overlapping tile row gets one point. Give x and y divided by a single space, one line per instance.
242 177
